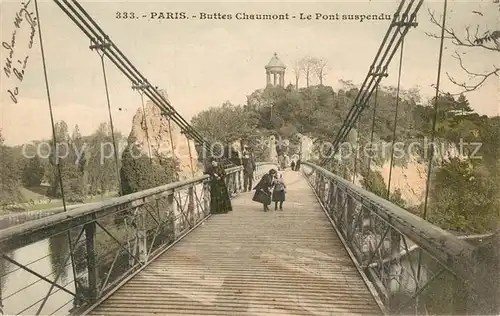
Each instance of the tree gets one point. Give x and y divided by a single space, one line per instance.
465 197
297 71
9 176
307 66
101 169
77 153
228 123
143 173
68 155
33 172
320 68
486 40
463 105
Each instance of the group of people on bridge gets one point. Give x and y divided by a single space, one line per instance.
270 180
220 201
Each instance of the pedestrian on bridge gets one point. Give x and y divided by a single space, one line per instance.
220 202
249 167
297 165
262 189
279 192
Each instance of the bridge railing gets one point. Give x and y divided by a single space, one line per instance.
380 238
67 262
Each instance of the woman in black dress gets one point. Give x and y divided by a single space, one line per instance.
262 189
220 202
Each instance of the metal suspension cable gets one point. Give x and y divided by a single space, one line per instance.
177 118
395 122
394 28
96 37
122 63
115 149
99 33
125 66
54 140
374 66
359 107
356 157
434 121
373 127
365 93
49 101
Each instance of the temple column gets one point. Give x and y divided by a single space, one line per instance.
274 73
268 78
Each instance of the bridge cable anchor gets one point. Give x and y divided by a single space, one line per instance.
405 21
99 45
378 72
141 86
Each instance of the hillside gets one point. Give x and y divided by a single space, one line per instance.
310 118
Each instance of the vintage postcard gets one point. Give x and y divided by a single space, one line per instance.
249 158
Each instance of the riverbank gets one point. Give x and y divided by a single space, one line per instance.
46 203
9 217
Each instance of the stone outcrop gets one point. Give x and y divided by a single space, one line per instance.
273 154
165 140
307 145
410 180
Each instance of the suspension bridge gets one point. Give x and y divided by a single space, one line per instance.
335 248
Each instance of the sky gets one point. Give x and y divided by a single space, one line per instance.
202 63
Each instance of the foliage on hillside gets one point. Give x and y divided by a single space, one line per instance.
9 175
468 197
86 166
71 160
318 112
138 172
373 181
33 172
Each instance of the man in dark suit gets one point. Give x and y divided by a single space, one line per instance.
248 162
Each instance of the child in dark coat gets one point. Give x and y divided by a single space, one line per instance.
279 192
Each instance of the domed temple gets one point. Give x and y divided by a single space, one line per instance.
276 68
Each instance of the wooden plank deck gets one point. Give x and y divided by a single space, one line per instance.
250 262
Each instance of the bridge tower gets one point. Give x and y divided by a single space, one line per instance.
276 68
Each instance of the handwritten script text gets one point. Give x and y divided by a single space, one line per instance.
14 66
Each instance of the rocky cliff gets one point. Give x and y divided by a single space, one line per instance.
165 140
410 179
306 144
